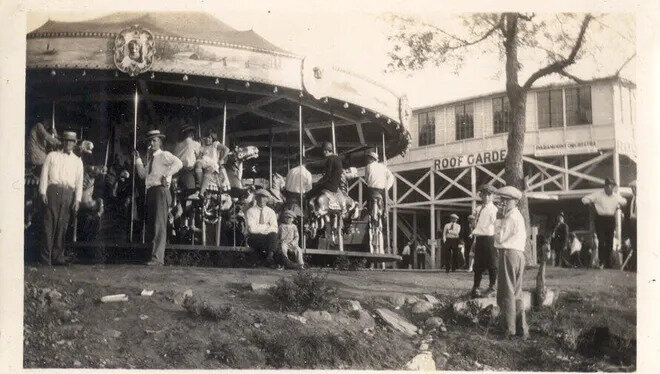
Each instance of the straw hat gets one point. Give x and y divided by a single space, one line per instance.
373 155
69 135
153 134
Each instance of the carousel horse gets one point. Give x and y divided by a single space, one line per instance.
335 210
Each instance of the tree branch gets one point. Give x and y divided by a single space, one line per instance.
558 66
571 76
624 64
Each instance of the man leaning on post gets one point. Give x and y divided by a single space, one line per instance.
60 188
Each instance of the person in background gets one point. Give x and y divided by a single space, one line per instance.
211 158
60 187
461 253
262 227
288 235
420 251
559 241
631 234
406 259
485 254
604 205
450 235
379 179
161 166
331 179
187 150
510 238
469 248
575 250
298 182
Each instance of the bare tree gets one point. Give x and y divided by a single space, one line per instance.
560 37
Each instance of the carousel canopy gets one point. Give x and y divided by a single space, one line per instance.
190 68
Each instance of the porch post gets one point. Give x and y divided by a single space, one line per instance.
473 181
414 251
566 187
300 163
617 181
395 220
135 109
432 214
386 205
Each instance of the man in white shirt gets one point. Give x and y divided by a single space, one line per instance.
604 205
187 151
60 188
298 182
161 165
485 254
262 226
405 255
450 236
379 179
510 239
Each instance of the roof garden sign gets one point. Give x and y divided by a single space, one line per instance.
134 50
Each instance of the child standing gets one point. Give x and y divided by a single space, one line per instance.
289 239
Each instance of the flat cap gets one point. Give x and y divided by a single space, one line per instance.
510 192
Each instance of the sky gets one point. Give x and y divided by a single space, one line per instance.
356 39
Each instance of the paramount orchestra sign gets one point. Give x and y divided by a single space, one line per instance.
470 159
568 148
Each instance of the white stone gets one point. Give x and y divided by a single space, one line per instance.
315 315
422 307
300 319
397 300
397 322
411 299
422 362
261 286
434 322
431 299
354 305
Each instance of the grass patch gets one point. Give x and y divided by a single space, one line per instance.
202 308
305 290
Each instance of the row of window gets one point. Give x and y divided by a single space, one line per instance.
550 105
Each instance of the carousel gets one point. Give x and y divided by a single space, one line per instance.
114 78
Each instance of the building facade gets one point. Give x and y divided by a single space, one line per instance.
576 136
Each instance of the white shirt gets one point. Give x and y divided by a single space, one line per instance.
257 225
576 245
187 150
451 231
484 224
293 179
63 169
406 250
164 164
510 232
378 176
605 205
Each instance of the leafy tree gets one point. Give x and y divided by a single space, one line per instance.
561 38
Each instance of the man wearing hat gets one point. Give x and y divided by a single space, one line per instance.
483 242
262 226
60 188
331 179
187 150
379 179
450 235
559 241
161 165
510 239
604 205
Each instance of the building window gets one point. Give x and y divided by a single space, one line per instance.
502 116
426 127
578 106
550 109
464 121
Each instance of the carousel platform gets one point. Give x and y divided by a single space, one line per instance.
376 257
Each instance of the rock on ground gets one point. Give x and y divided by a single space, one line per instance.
423 361
397 300
354 304
261 286
294 317
397 322
422 307
112 333
462 308
315 315
550 298
411 299
364 319
432 299
434 322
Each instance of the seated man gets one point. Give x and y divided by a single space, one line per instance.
289 240
331 179
262 226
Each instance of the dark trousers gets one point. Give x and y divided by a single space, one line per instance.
485 258
452 260
558 247
158 203
605 226
318 188
421 260
56 222
265 244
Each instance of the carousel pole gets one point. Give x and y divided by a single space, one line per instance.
270 157
52 123
387 213
334 139
340 236
144 220
300 163
130 234
224 131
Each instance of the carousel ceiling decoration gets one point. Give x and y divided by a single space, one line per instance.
134 50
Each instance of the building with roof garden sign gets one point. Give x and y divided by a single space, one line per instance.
576 136
113 78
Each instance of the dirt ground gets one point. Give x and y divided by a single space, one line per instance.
591 327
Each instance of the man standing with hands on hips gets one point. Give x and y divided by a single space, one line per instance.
450 234
161 165
60 188
510 239
485 254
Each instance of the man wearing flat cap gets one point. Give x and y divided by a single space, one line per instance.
559 241
161 165
379 179
510 239
485 254
60 187
604 205
331 179
262 226
450 235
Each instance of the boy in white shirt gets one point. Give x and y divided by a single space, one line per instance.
510 238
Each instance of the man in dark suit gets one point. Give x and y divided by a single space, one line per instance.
559 241
331 177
